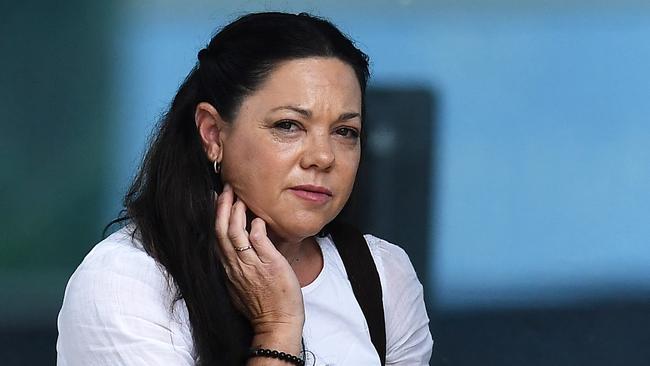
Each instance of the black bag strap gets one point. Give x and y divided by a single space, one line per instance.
364 278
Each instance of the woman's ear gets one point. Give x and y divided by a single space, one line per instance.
210 126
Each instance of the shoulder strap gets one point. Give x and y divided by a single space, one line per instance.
364 278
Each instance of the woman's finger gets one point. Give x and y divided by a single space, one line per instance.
261 242
239 236
222 219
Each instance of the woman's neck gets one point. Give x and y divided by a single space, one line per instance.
304 256
289 248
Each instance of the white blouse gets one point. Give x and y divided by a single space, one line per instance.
117 310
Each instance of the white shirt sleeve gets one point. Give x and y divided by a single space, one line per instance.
408 339
117 310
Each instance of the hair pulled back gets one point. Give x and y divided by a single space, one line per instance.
171 201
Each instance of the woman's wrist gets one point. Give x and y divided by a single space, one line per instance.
283 339
288 341
271 357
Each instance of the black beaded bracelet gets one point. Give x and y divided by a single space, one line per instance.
265 352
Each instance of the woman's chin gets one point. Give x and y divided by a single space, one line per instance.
287 228
293 234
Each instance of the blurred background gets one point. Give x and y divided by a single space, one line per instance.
508 143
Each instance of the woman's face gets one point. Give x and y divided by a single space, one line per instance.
292 152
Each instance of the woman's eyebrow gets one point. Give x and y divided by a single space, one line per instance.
348 116
307 113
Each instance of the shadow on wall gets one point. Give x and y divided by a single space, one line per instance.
394 195
606 333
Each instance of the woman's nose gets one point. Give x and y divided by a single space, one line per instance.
318 152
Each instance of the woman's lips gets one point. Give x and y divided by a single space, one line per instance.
312 193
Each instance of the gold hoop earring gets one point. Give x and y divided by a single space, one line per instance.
217 167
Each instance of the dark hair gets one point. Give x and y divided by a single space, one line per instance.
171 199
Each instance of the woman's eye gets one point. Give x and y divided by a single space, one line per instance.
286 125
347 132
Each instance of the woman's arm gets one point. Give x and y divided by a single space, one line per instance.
117 306
408 340
261 281
117 311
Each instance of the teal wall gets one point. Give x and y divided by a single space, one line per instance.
54 98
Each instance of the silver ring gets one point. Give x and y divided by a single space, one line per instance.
241 249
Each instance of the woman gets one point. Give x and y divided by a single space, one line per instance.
271 119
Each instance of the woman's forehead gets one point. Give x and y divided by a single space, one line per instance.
309 84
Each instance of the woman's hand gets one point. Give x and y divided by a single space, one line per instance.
262 283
